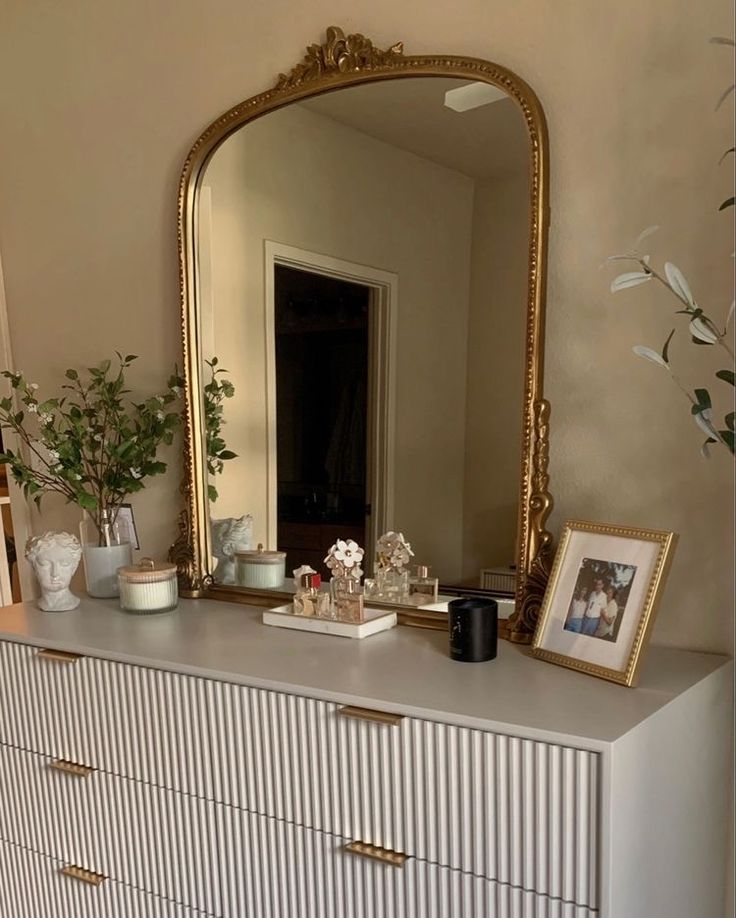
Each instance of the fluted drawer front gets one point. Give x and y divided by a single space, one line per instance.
518 811
282 870
135 833
219 859
32 886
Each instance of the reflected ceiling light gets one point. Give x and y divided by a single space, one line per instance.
473 95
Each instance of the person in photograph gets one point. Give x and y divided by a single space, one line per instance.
597 602
574 621
608 615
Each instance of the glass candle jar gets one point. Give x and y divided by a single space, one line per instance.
147 587
260 570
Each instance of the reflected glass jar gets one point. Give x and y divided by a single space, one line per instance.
261 569
148 587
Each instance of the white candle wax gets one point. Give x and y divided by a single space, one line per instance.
156 596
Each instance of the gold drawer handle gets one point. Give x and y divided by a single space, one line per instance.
60 656
84 876
376 717
72 768
384 855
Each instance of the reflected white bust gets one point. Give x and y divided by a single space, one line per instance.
55 557
228 536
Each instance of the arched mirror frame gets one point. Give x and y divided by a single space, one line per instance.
347 60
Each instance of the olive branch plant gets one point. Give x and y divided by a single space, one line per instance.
704 331
216 390
93 445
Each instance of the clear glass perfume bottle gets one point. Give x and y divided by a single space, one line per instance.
423 588
308 600
349 602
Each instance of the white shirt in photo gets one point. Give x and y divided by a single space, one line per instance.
577 609
596 603
605 629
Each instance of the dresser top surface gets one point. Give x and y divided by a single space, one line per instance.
405 670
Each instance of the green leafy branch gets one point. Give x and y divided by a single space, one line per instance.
703 331
215 392
92 445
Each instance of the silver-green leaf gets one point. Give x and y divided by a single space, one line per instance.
699 330
677 282
705 448
648 354
702 419
645 234
630 279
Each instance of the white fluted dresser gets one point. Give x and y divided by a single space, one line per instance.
201 763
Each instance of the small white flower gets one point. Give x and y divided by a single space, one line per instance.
176 390
54 454
45 418
97 437
160 415
135 473
33 385
76 476
33 408
160 399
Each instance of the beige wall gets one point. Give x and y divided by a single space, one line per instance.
499 265
301 179
102 100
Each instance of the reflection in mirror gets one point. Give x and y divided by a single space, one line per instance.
362 268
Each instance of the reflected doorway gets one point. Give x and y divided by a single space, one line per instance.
331 395
322 355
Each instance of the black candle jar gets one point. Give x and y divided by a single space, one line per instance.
473 629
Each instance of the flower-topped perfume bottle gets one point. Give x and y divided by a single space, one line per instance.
344 561
391 576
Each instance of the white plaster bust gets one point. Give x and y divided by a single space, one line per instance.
228 536
54 557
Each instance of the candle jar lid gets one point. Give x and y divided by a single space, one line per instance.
147 571
261 556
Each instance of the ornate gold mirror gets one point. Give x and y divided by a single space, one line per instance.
362 255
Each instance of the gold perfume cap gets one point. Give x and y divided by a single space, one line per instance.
422 571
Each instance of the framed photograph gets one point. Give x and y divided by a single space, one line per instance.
126 524
602 597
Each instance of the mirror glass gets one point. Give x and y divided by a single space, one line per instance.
362 262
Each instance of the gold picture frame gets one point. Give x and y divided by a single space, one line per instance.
602 599
347 60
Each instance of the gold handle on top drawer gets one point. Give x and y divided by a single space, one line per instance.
60 656
72 768
376 717
84 876
384 855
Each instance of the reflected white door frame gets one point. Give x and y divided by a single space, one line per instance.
383 313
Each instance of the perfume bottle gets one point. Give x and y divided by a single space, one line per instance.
349 602
308 600
423 588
